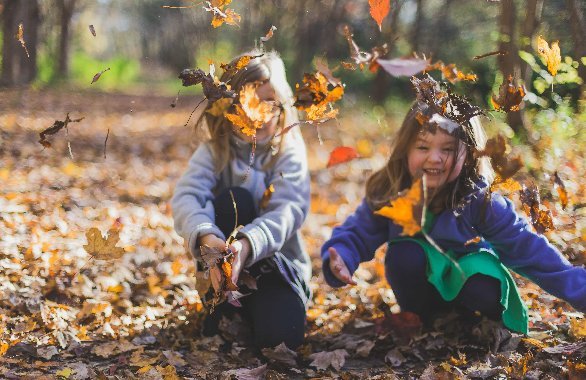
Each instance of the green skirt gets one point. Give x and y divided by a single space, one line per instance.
449 278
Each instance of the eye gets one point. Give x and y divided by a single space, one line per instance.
448 150
421 147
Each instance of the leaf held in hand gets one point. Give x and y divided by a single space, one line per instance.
379 9
551 54
103 249
342 154
402 209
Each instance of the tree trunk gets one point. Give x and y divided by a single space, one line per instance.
416 37
533 12
579 36
509 63
17 67
66 8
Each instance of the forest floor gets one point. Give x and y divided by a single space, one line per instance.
64 315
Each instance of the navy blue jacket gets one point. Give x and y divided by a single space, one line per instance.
497 223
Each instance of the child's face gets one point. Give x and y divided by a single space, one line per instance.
434 155
266 93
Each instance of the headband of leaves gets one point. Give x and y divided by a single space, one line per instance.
445 109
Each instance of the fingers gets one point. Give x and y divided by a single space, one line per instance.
339 268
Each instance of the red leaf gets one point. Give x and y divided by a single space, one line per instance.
342 154
379 9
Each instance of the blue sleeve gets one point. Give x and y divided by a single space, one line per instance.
356 240
529 254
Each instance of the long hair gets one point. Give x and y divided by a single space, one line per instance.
265 67
394 177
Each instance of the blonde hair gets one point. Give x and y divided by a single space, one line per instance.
266 67
394 177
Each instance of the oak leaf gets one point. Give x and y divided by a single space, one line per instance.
342 154
401 210
252 113
379 9
551 54
103 249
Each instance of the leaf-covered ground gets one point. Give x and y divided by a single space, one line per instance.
64 315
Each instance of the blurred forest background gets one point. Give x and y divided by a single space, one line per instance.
146 45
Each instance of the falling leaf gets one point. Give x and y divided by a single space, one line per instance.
561 189
498 52
212 90
20 38
508 185
315 97
222 15
451 72
232 68
100 248
551 55
504 165
540 219
342 154
98 75
362 58
321 64
266 196
92 30
323 360
510 96
56 127
403 66
269 34
401 210
379 9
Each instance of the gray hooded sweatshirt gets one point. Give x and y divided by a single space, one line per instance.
274 233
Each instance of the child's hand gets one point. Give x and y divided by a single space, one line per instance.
241 249
339 268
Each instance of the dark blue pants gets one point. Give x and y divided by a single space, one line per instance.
274 311
405 267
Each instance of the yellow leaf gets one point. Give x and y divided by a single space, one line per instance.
100 248
578 327
551 54
144 369
401 210
219 107
65 373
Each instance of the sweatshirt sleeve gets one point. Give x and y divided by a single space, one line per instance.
530 254
193 210
356 241
287 208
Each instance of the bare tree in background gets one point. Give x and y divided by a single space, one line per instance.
66 9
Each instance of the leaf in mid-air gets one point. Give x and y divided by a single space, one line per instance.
252 112
269 34
451 73
221 14
220 106
541 220
56 127
403 66
321 64
20 38
212 90
315 96
103 249
362 58
379 9
561 189
552 55
92 30
98 75
504 165
509 97
402 210
342 154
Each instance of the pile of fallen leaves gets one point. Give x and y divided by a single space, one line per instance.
94 282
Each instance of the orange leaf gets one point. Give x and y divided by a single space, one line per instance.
561 188
379 9
266 196
20 38
251 113
342 154
510 96
227 270
551 55
401 209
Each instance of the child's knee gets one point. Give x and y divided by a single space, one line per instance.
406 258
482 294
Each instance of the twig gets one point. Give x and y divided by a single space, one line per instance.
105 141
68 142
498 52
191 114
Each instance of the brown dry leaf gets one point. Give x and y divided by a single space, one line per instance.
212 90
561 189
100 248
266 196
92 30
342 154
551 54
281 354
315 97
20 38
401 210
321 64
379 9
56 127
541 220
109 349
98 75
508 185
510 96
323 360
504 165
451 72
251 113
362 58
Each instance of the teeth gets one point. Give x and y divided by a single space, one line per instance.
432 171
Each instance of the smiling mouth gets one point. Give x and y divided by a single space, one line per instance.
433 172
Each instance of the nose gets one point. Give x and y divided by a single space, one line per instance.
435 156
